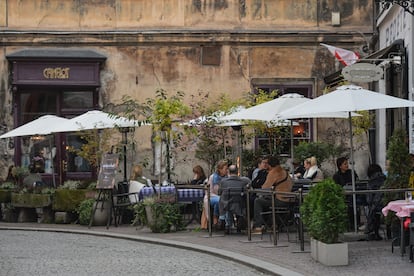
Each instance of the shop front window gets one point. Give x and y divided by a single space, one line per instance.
75 162
38 153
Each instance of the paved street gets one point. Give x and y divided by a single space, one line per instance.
365 257
48 253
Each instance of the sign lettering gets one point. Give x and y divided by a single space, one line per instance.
56 73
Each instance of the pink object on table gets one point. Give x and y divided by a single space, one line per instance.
402 208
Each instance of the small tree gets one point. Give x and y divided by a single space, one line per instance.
324 211
400 164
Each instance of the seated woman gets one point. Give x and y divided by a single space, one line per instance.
136 183
213 181
374 201
199 176
312 170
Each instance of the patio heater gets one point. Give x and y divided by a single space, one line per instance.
124 131
238 130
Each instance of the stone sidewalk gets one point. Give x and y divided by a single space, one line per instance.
365 257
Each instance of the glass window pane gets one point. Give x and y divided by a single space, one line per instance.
39 152
74 99
75 163
36 104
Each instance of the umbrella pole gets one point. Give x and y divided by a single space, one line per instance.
353 175
52 163
125 131
291 146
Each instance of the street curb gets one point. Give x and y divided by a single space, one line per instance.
257 264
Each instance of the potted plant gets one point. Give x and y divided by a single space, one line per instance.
6 189
68 198
324 213
398 175
34 204
160 214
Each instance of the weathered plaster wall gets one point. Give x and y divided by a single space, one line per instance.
188 14
158 44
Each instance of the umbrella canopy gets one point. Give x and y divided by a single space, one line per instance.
96 119
268 111
216 119
40 126
346 98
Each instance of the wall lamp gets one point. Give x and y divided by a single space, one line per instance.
407 5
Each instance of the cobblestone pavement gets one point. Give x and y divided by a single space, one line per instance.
51 253
365 257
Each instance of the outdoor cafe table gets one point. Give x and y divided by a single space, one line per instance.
402 209
184 195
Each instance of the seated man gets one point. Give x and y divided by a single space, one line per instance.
279 178
232 200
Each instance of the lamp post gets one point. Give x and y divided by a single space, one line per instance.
238 129
407 5
124 131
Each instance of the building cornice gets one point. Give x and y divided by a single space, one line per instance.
178 37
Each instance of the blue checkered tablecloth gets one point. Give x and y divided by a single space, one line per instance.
190 195
184 195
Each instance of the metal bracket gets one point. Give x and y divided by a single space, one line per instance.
407 5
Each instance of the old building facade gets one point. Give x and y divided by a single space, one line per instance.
66 57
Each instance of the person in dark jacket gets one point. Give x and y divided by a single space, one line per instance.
344 174
343 177
199 176
374 201
232 191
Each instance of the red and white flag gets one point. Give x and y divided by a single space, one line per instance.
346 57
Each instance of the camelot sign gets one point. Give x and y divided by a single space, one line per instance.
362 72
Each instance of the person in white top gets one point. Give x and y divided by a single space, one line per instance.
136 183
312 170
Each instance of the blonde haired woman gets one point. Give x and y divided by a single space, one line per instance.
312 170
136 183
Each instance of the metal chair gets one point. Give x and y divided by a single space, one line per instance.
411 245
122 199
285 217
235 199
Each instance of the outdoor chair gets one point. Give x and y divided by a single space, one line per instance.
286 216
122 200
235 200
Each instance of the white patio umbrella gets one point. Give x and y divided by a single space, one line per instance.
346 98
269 112
96 119
41 126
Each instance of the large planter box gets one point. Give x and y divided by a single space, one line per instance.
31 200
334 254
5 196
314 248
68 200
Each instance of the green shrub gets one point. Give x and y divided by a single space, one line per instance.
324 211
85 210
70 185
166 213
8 186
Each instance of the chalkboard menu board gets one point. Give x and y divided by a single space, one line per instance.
107 171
